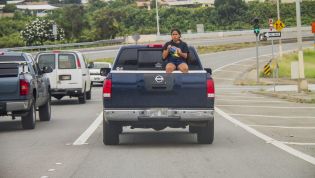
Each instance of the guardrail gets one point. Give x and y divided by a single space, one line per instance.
68 45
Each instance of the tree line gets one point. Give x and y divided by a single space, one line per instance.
106 20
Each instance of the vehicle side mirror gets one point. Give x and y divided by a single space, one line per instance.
47 69
209 70
105 71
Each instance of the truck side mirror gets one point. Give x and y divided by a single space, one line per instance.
209 70
105 71
47 69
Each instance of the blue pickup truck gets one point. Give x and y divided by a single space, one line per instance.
137 92
24 88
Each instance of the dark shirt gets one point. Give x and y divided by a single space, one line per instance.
182 45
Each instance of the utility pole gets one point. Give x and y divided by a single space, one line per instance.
280 42
302 82
157 19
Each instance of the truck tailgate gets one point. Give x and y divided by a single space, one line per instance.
9 80
148 90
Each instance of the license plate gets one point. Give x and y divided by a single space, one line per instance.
2 107
96 78
158 113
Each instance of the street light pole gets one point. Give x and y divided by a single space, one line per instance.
280 42
302 82
157 19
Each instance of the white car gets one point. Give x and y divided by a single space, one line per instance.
70 76
95 69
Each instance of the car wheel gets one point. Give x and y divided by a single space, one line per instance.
45 111
110 133
205 134
29 120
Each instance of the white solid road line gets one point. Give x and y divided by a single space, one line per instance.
268 139
282 127
269 107
273 116
89 131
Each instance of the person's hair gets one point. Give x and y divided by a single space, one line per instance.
177 30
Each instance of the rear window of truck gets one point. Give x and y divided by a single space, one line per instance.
11 58
149 59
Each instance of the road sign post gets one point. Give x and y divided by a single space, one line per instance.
136 37
257 60
302 82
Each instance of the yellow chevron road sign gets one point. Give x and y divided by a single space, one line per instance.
267 70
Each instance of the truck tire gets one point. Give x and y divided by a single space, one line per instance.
88 94
29 120
110 133
45 111
82 97
205 134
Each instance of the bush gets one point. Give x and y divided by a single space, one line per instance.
12 40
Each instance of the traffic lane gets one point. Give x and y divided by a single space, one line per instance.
175 153
31 153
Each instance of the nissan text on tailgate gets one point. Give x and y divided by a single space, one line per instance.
137 92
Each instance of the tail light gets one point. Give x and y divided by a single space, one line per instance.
107 88
78 64
155 45
210 88
24 87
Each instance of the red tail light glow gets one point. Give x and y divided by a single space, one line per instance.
24 87
210 88
155 45
107 88
78 64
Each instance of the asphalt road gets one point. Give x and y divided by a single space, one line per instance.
237 151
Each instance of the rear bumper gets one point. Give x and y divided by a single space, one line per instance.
66 91
97 78
11 106
158 114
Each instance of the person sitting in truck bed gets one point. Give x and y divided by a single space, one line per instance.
175 52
